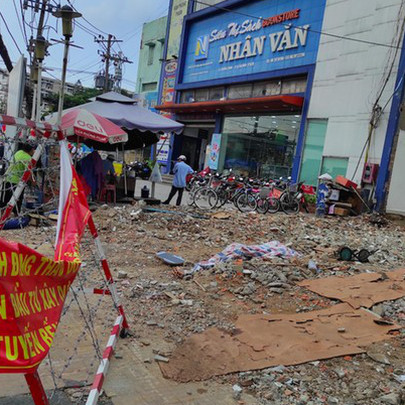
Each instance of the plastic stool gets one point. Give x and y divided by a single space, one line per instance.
108 190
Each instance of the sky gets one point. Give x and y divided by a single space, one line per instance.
122 18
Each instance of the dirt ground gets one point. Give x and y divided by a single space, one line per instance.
164 309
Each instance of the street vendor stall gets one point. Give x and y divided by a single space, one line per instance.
79 126
143 128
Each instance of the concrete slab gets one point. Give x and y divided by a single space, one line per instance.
60 398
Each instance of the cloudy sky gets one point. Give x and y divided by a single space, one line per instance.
122 18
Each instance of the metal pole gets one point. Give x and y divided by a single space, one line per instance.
124 166
36 388
63 82
155 153
39 91
34 102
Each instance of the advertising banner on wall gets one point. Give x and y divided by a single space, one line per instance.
163 149
260 36
179 10
169 81
215 149
148 100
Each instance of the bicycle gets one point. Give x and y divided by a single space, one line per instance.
290 200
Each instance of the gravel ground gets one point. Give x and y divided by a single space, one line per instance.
164 309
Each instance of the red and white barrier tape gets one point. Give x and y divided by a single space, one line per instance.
105 363
22 122
104 264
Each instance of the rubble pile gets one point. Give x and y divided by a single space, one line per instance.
348 381
164 309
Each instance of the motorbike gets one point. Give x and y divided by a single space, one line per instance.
141 169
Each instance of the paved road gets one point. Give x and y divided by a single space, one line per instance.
162 191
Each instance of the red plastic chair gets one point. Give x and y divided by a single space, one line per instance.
109 190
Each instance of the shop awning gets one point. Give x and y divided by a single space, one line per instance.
270 103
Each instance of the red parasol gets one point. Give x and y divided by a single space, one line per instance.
87 125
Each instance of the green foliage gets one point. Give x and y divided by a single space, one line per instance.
81 96
310 199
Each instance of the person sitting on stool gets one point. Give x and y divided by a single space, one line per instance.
181 170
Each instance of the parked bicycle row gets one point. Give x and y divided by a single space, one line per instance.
209 190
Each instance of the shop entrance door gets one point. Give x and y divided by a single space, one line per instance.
191 148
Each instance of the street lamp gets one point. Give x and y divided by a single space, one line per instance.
67 14
40 49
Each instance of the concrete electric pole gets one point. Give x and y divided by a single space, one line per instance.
108 56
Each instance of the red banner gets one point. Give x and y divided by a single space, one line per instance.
33 289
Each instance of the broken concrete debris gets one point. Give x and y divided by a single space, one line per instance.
165 311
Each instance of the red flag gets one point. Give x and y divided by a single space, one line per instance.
73 211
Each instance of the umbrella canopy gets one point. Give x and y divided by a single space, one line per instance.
125 112
87 125
141 125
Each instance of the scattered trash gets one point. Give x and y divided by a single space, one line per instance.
239 251
347 254
16 223
180 213
170 259
313 266
221 215
379 358
237 391
400 378
160 358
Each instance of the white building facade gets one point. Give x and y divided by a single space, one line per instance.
351 79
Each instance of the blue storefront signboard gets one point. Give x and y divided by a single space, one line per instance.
261 36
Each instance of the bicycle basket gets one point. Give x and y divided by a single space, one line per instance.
293 188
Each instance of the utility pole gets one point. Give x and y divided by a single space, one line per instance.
108 57
107 63
41 7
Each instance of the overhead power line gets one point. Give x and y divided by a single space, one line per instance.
87 21
8 30
328 34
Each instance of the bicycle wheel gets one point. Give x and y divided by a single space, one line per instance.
262 205
273 205
246 202
190 198
222 198
288 204
205 198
